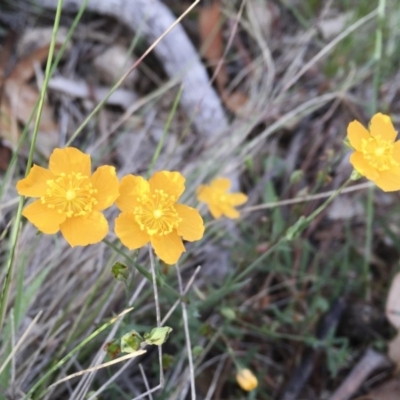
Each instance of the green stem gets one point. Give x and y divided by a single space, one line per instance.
162 285
15 229
31 392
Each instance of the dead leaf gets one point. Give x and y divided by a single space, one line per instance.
18 100
213 51
392 310
389 390
394 350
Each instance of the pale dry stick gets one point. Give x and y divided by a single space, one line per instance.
146 382
97 367
83 386
215 379
158 313
187 335
20 342
323 195
370 362
330 46
105 385
188 286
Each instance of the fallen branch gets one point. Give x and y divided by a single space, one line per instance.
151 18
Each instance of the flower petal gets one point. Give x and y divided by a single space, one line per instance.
130 188
105 181
192 227
356 132
389 181
69 160
129 232
222 184
230 212
168 247
172 183
381 125
45 219
237 199
204 194
35 184
215 211
361 165
396 151
84 230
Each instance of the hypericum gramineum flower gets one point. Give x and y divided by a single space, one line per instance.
246 379
219 201
70 197
377 155
150 213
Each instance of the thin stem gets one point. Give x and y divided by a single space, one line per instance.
16 224
144 272
158 313
31 392
187 336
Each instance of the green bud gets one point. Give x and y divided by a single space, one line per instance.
131 342
113 348
157 336
197 350
167 360
228 313
355 175
120 272
296 176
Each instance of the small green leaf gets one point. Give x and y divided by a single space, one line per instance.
120 272
157 336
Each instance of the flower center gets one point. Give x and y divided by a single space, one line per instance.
379 153
70 194
156 213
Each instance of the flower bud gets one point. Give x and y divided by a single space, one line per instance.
246 379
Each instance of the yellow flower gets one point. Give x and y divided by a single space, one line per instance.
150 213
246 379
377 155
218 200
70 197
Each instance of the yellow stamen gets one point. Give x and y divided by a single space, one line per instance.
70 194
156 213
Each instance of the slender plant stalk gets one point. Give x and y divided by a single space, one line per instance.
166 129
187 336
374 107
31 392
158 313
144 272
15 229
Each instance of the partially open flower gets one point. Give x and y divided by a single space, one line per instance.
70 198
150 213
219 201
376 155
246 379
